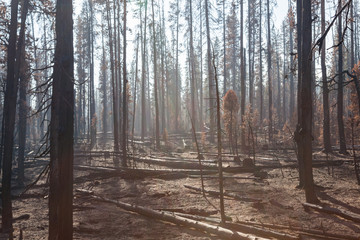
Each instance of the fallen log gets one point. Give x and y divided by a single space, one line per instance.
260 231
142 171
334 211
241 227
226 177
178 164
310 232
228 194
172 218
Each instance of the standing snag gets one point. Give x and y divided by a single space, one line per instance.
231 108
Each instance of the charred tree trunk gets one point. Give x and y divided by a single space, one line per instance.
210 74
9 122
135 87
340 92
23 107
219 145
62 127
326 110
305 132
261 66
157 130
143 81
224 46
192 67
269 48
291 73
104 87
250 51
113 86
242 75
92 90
299 6
125 105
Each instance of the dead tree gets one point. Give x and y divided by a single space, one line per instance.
125 106
157 129
326 110
9 123
305 124
61 127
219 145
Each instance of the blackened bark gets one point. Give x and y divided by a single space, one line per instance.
157 130
269 48
113 86
192 67
92 87
261 65
143 81
242 71
326 110
20 73
9 122
305 132
62 127
340 92
291 73
125 106
298 128
210 74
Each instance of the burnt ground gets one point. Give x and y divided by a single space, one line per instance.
271 198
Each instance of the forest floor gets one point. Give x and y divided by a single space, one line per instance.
271 198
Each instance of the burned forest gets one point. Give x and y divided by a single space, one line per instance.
180 119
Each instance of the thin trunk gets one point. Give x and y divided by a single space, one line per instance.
250 51
291 72
224 47
326 110
177 70
125 105
163 40
113 86
340 92
269 48
143 80
283 80
23 110
135 85
157 130
210 74
201 72
192 68
299 6
219 145
278 99
104 87
261 66
118 67
92 90
242 71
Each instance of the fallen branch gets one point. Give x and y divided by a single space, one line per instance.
168 217
335 211
43 172
227 194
